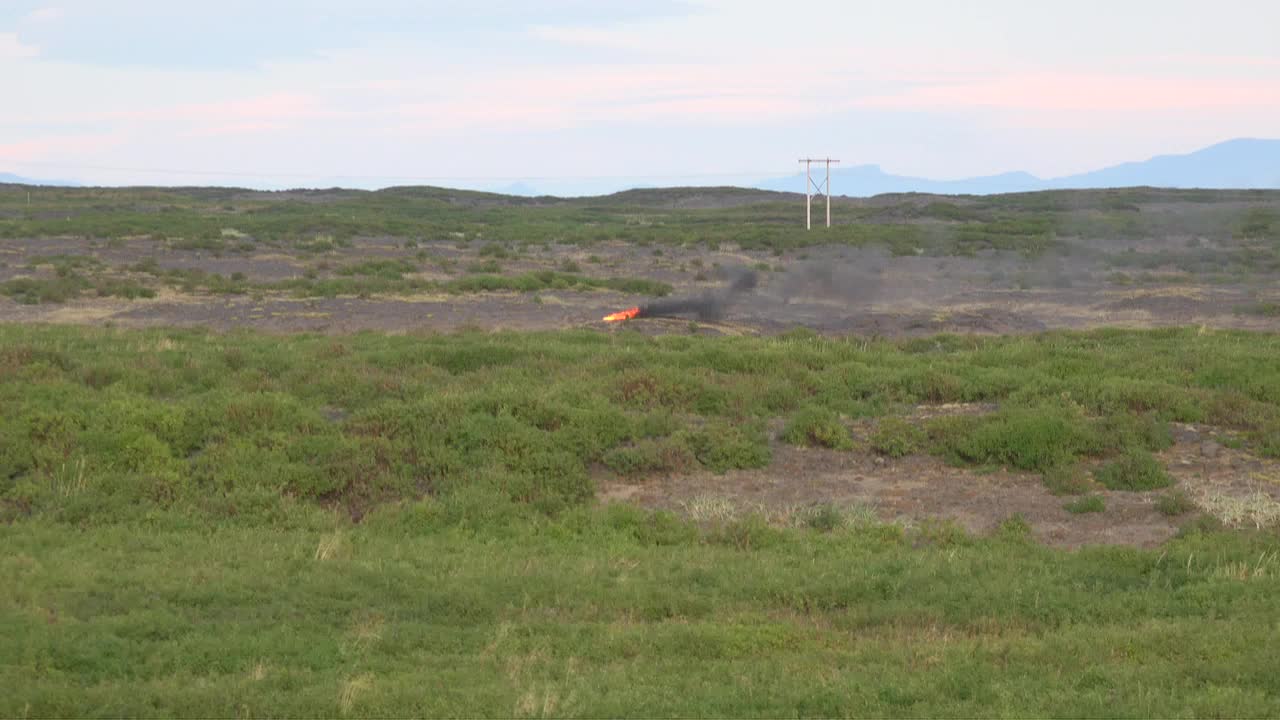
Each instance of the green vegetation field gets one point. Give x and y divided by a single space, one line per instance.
110 239
232 220
204 524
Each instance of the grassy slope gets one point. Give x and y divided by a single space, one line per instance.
611 613
106 423
167 551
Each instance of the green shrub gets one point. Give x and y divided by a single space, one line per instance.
1136 470
722 447
1123 431
149 266
551 280
1174 503
749 533
1116 397
824 517
385 269
1067 480
1267 439
1034 439
32 291
895 437
667 455
933 386
1015 528
64 264
481 506
650 528
1087 504
817 427
487 266
943 532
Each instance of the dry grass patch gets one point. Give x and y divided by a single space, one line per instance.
351 690
1257 510
330 546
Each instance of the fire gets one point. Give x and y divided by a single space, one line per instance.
624 315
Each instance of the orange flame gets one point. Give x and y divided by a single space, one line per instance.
624 315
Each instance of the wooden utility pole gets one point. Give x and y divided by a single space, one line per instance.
810 186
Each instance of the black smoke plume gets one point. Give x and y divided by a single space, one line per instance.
709 306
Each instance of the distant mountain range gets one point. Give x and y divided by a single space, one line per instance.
1235 164
19 180
1243 163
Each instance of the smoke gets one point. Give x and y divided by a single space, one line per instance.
849 276
710 305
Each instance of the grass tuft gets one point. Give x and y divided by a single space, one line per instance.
1087 504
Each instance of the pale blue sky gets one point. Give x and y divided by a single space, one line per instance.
391 91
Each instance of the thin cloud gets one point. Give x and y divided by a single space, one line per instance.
238 128
521 88
556 98
594 37
12 48
45 15
44 148
277 106
1083 92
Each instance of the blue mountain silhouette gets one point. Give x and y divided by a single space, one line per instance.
1242 163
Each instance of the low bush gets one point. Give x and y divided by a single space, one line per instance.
817 427
1175 503
665 455
33 291
484 266
1033 439
1136 470
1067 480
722 447
895 437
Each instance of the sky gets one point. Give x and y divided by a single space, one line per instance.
484 93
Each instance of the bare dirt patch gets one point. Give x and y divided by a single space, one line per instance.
912 489
920 488
1231 484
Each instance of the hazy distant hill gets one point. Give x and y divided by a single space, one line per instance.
867 180
1239 164
19 180
1234 164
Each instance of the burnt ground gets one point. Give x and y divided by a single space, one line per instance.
833 290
